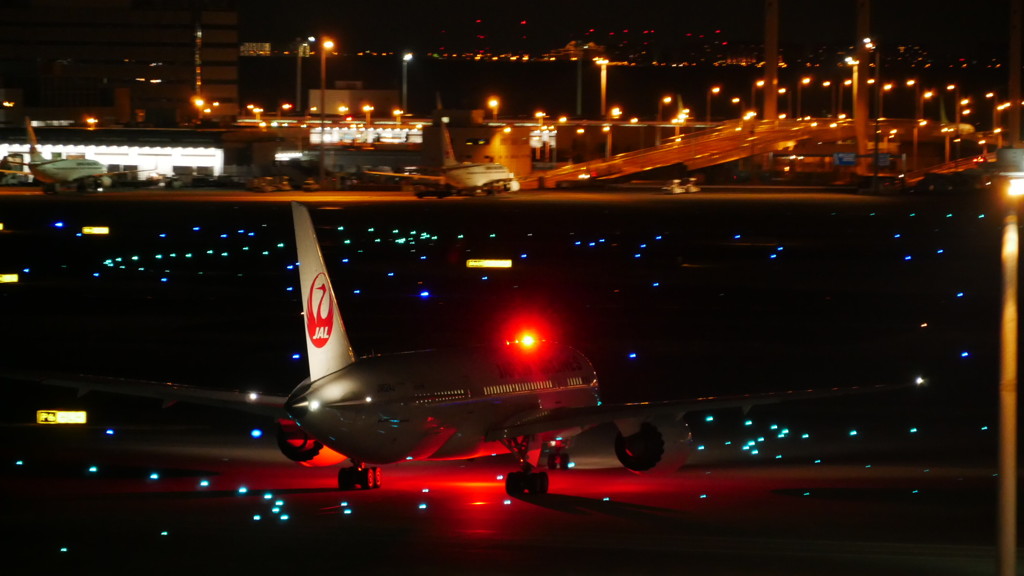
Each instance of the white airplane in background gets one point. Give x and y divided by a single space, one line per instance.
518 397
84 174
460 178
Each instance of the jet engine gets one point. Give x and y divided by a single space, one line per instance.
300 447
659 445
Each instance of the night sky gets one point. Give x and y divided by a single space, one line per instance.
530 25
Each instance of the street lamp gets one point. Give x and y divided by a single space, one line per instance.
887 87
603 62
657 128
847 82
325 45
739 101
707 110
799 103
368 110
753 93
493 104
613 114
301 51
406 58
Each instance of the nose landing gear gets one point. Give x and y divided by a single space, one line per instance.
525 480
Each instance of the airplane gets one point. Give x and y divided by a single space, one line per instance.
459 178
520 396
84 174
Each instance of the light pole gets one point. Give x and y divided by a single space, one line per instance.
799 102
887 87
406 58
657 125
325 45
368 110
604 86
301 51
707 109
956 95
753 93
839 107
493 104
782 91
613 115
1007 539
743 108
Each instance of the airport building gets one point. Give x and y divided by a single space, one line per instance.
159 63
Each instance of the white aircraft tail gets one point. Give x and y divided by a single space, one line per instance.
449 150
33 144
327 343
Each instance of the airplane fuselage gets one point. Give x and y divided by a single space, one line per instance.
66 170
435 405
473 176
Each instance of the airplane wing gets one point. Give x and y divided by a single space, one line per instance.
410 176
244 401
585 417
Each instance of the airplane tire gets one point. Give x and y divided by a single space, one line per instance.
369 479
515 483
346 478
537 483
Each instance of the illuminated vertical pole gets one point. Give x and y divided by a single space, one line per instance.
579 85
1007 544
325 45
604 87
405 80
1016 11
861 94
771 60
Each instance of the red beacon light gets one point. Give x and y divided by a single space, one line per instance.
526 341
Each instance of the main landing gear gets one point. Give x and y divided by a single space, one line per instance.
359 478
525 480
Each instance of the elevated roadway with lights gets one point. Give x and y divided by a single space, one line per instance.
728 142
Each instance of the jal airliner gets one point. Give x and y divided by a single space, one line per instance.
513 397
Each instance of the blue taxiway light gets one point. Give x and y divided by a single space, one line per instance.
256 433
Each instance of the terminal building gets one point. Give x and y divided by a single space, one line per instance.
152 63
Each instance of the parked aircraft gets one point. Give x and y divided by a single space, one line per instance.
56 174
459 178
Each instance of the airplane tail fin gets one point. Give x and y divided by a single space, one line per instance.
33 144
327 343
449 150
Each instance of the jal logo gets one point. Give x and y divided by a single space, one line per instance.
319 311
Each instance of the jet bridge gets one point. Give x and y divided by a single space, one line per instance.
728 142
